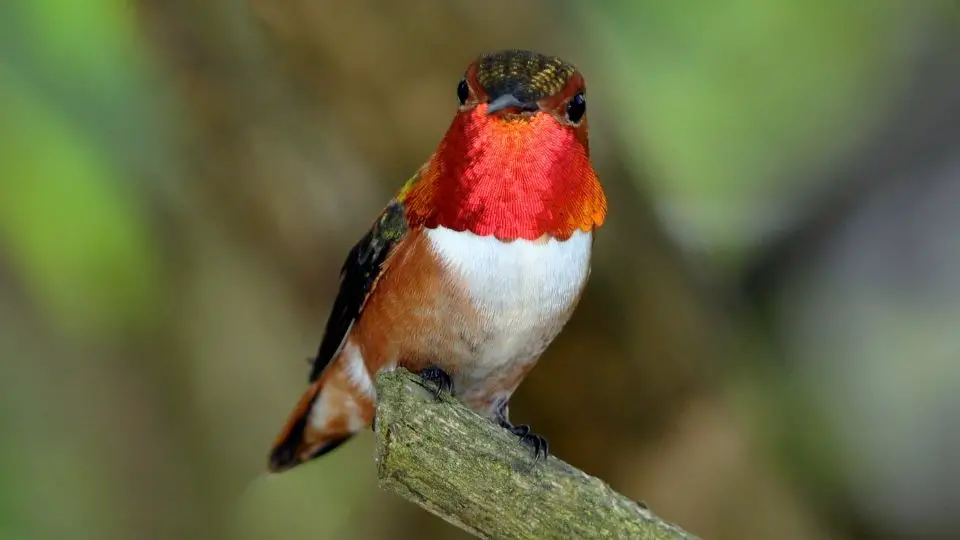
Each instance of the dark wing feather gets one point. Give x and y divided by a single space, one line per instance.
357 278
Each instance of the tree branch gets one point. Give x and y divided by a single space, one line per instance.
477 476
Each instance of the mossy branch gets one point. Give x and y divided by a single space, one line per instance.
475 475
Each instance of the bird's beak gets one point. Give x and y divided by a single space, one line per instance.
508 101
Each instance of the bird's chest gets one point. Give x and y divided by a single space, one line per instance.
522 293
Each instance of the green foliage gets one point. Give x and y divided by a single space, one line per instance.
723 100
69 220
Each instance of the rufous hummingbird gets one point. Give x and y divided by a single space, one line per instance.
475 265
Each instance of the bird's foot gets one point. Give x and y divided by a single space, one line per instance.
439 378
539 444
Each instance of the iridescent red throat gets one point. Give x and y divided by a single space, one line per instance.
510 178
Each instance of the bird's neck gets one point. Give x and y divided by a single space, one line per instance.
512 179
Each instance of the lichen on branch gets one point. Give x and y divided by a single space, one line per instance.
475 475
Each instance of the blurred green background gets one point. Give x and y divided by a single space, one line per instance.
768 347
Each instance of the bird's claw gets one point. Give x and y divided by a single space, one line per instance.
541 448
539 444
439 378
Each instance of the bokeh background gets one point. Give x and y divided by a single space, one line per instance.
768 347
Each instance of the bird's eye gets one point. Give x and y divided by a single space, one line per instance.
463 91
576 108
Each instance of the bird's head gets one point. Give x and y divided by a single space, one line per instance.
525 94
515 161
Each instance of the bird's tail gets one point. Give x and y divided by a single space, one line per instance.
330 412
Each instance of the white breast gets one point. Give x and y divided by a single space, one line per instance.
522 289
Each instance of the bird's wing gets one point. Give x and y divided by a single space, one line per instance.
358 277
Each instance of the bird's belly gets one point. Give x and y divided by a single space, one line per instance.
523 293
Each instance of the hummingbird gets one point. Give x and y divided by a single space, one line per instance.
475 265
